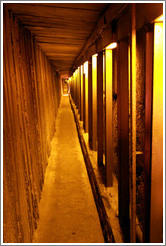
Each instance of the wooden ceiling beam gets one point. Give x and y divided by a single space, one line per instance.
84 6
57 30
59 22
61 54
82 28
61 13
73 40
60 48
61 29
102 25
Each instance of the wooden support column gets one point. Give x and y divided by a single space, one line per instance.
75 92
86 96
100 107
108 119
79 89
94 102
123 137
84 101
90 102
71 87
148 133
76 84
156 207
133 124
82 104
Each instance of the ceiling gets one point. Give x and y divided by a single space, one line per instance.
61 29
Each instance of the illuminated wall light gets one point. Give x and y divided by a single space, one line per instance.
111 46
94 61
159 19
86 67
95 55
81 69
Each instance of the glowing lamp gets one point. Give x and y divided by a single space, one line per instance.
111 46
159 19
95 55
86 67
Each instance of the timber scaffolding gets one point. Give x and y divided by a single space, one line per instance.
109 58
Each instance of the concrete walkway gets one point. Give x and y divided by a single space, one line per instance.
67 211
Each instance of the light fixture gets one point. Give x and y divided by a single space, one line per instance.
95 55
159 19
111 46
86 67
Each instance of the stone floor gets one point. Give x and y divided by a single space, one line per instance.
67 211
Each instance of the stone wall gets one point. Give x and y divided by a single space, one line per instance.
140 119
31 96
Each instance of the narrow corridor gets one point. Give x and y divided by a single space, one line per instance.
67 211
82 122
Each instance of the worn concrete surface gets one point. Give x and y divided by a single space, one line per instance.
67 211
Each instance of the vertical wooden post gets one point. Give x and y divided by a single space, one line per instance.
133 124
82 104
84 101
94 102
123 137
156 208
104 109
76 84
108 126
148 133
79 89
90 102
71 86
86 96
100 107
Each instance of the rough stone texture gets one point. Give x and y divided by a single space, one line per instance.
115 138
140 121
31 95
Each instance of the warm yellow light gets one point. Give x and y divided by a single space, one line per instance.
157 136
86 95
111 46
94 62
81 69
86 67
108 69
158 60
159 19
94 99
95 55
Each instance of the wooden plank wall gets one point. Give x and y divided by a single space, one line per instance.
31 96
